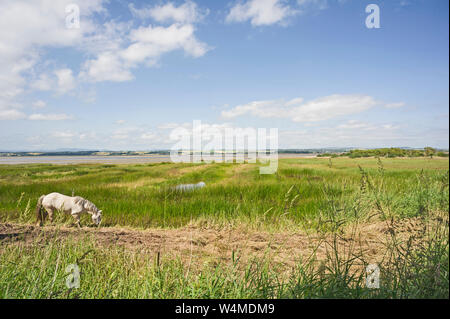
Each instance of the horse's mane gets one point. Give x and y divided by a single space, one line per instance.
85 203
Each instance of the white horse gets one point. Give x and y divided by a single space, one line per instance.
69 205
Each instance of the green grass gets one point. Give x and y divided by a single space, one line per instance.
39 271
313 194
141 196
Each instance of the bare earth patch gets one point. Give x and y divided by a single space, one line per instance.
199 246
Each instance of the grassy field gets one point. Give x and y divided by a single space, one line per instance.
325 197
141 195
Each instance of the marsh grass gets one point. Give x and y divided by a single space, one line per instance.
141 195
315 195
38 271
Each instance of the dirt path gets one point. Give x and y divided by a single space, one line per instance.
212 245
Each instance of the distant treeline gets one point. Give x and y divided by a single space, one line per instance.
310 151
389 152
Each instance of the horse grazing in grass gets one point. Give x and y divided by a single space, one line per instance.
69 205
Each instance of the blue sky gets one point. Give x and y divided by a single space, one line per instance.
135 70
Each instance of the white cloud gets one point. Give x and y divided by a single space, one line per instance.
70 136
39 104
346 134
89 135
107 67
64 135
49 117
126 133
261 12
298 111
394 105
42 83
108 37
269 12
128 48
264 109
169 126
61 81
11 114
65 80
354 134
185 13
353 124
151 42
147 45
28 26
364 126
332 106
148 136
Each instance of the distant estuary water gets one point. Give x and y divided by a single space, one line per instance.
105 159
83 159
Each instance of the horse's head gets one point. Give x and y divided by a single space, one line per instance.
97 217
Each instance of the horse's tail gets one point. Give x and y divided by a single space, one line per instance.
40 215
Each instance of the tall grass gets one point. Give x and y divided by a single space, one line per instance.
312 194
141 195
38 271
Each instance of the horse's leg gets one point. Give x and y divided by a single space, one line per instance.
50 211
42 215
77 218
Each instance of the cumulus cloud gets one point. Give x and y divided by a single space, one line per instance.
269 12
297 110
113 48
11 114
60 81
147 46
65 80
39 104
25 28
151 42
147 43
42 83
106 67
49 117
261 12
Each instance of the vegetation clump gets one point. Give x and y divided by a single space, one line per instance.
389 153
